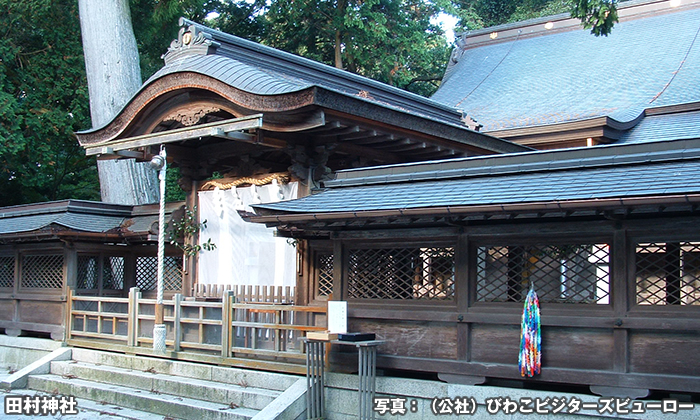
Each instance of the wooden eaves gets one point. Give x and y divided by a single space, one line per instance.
230 129
570 206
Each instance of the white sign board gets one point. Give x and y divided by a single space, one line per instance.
337 317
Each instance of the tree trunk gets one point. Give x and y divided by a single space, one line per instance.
340 17
338 50
114 75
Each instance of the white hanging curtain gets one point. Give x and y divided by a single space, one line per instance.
246 253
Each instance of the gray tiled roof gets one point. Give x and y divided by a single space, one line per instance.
259 69
569 76
234 73
594 178
664 127
73 214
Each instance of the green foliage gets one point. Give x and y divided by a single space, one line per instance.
173 191
242 18
597 15
180 233
477 14
43 100
392 41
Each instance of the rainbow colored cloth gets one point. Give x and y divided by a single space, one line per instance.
530 359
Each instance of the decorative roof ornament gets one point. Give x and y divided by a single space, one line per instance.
457 53
470 122
190 116
190 41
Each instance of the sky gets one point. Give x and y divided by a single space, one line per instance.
447 23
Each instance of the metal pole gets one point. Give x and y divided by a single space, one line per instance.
159 326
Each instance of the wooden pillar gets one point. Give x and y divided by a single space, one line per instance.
189 275
227 336
462 296
672 267
305 266
177 315
133 318
70 278
339 265
621 282
129 272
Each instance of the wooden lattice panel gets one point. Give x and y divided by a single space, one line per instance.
324 262
571 273
668 273
113 273
87 272
7 272
172 274
401 273
147 273
42 271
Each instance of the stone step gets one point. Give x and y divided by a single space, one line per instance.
229 375
87 410
176 407
241 394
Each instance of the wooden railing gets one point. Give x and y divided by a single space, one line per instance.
257 334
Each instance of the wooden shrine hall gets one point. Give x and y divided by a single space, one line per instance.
578 179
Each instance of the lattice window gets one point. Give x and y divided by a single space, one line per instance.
401 273
571 273
147 273
668 273
88 278
42 271
7 271
113 273
324 264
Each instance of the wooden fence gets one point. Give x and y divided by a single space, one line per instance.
246 293
262 332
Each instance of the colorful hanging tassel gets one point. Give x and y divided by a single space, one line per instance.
530 360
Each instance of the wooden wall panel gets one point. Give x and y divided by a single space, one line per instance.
570 348
665 352
577 348
41 312
495 343
435 340
7 309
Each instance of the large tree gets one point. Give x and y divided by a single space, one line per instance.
114 75
43 100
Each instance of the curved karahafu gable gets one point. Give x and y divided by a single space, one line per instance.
215 88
